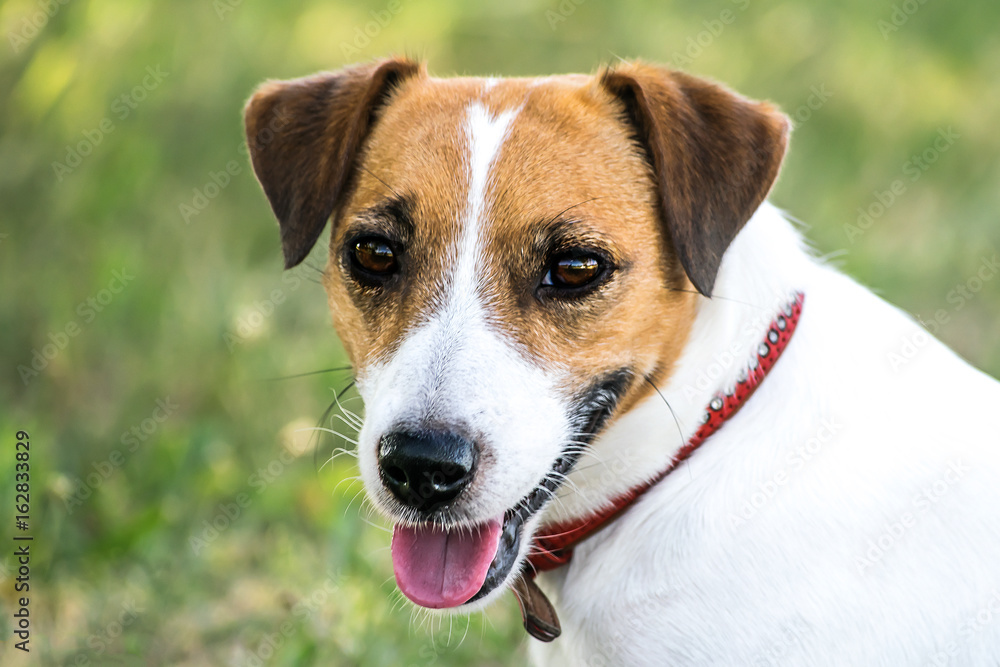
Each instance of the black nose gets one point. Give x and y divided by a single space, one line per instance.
425 470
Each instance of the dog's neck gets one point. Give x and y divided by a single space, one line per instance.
755 281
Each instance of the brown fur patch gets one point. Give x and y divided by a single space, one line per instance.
567 175
655 170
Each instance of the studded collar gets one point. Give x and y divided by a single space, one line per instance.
553 547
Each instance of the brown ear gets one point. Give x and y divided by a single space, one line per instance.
715 156
303 137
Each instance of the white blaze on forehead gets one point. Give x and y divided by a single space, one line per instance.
484 135
456 371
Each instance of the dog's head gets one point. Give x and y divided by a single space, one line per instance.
510 261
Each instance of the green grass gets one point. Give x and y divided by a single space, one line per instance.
209 316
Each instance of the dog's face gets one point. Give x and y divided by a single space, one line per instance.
510 262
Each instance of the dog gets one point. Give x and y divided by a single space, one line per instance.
600 370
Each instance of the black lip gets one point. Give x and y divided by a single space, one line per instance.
596 407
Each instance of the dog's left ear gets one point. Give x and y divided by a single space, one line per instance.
715 156
304 136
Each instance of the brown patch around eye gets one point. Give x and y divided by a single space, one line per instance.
374 255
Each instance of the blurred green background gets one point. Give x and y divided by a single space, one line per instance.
141 275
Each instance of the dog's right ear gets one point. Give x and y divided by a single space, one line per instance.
304 135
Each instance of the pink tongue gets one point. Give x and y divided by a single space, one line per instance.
437 568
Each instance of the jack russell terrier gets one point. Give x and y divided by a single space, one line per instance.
554 291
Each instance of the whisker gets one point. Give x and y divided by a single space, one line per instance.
399 602
310 265
376 526
482 628
337 452
329 430
319 439
347 479
302 375
337 397
350 419
343 391
359 493
721 298
387 186
570 208
680 431
468 624
596 464
326 414
340 451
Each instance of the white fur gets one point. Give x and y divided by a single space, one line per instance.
457 371
484 134
759 549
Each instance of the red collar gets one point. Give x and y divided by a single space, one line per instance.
554 547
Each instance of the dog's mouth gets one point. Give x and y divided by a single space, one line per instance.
438 566
441 567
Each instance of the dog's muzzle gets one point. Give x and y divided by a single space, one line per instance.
438 565
426 471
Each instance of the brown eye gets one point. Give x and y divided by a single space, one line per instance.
573 271
375 256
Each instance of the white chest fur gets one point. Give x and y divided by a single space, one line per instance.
848 515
